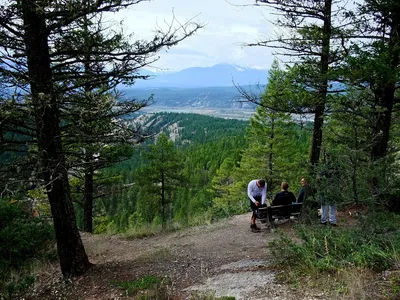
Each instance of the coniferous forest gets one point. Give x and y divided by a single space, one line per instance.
77 156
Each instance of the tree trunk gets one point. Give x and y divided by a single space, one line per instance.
88 202
163 202
382 128
323 87
384 116
72 255
270 158
317 133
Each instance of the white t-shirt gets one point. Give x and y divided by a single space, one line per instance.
253 190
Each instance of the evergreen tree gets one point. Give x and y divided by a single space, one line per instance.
162 176
277 147
314 40
372 66
349 137
32 63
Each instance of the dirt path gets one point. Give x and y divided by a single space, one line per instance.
223 259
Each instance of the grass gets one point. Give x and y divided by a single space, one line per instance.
147 287
343 261
209 296
163 254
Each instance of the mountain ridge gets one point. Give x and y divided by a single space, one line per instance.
220 75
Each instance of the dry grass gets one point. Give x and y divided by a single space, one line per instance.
163 254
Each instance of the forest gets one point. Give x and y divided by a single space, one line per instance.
75 157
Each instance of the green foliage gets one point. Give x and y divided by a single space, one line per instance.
150 286
277 147
23 238
14 287
189 200
330 250
209 296
195 128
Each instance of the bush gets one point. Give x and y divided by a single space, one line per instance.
329 250
23 238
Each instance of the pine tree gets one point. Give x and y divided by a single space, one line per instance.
313 44
162 176
46 80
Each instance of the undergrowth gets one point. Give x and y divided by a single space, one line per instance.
373 245
24 240
145 288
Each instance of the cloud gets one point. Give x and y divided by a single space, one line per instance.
227 27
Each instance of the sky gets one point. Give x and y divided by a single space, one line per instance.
227 27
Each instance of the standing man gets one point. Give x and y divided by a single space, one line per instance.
328 192
257 192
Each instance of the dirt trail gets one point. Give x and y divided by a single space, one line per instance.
224 259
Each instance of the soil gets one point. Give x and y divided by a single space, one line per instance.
220 259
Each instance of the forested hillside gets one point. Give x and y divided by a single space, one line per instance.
197 147
79 155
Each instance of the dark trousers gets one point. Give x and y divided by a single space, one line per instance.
253 205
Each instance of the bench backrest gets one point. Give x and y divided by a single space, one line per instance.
279 210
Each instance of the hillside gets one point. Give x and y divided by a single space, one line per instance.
191 128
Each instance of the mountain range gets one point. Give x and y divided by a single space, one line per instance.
220 75
206 90
205 97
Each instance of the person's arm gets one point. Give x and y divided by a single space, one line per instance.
293 198
264 195
249 190
300 197
273 203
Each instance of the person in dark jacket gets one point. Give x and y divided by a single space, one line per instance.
284 197
305 190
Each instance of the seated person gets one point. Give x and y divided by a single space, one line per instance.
304 192
284 197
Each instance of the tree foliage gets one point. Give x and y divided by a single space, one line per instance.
46 61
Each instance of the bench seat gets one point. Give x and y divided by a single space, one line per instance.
269 213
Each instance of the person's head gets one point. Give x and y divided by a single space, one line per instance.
260 183
303 181
285 186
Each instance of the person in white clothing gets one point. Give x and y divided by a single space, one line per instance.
257 192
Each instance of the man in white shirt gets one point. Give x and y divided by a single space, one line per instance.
257 192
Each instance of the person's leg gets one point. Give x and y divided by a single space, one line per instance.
324 213
253 225
253 218
332 213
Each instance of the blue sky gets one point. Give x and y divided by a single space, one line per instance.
226 27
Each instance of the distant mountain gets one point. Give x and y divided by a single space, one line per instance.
196 98
221 75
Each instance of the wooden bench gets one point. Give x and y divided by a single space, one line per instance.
268 214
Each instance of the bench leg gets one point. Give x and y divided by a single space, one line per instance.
271 223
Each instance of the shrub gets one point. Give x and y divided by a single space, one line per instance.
23 238
329 250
